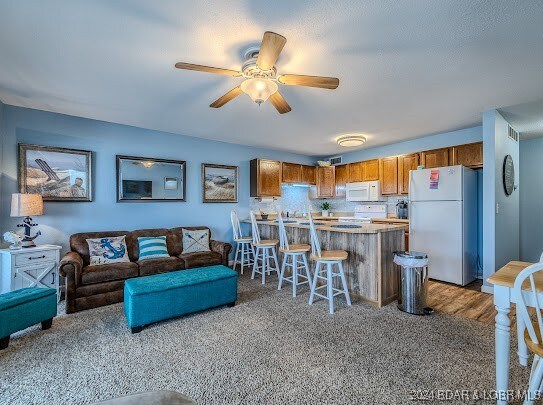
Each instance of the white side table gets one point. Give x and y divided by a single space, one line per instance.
30 267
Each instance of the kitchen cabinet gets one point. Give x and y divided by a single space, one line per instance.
371 170
326 181
405 164
342 178
292 173
469 155
265 178
356 172
309 174
388 175
435 158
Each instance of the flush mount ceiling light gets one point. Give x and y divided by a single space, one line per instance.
351 140
261 78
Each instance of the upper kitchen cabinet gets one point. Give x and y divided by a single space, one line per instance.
326 181
469 155
342 178
292 173
356 172
388 175
405 164
309 174
371 170
435 158
265 178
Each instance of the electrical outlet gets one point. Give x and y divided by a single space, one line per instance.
497 208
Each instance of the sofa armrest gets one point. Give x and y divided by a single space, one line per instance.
71 265
223 248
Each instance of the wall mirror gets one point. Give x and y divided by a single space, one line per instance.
149 179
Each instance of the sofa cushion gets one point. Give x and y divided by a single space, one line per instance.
195 240
78 242
133 245
108 272
176 235
152 248
162 265
106 250
200 259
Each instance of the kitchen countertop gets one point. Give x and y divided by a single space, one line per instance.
392 220
365 228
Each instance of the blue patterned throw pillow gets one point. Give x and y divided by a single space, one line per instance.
107 250
153 247
195 240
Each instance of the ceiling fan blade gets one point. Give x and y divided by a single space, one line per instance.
310 81
271 47
280 103
208 69
227 97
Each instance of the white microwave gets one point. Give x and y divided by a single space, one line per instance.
363 191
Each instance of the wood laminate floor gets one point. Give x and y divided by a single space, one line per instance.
467 302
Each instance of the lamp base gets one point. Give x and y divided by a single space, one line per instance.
27 244
28 241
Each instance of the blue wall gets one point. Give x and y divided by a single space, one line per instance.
531 200
106 140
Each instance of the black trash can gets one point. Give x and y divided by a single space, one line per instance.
412 282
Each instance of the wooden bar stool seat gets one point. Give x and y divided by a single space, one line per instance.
244 244
325 261
264 250
295 257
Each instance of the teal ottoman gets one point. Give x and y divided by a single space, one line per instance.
22 308
163 296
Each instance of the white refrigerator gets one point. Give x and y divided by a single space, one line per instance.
443 221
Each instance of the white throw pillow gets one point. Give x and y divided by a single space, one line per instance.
108 250
195 240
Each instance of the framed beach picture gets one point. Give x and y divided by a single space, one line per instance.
58 174
219 183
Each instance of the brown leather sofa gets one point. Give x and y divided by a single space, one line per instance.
94 286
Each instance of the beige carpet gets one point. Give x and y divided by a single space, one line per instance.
269 349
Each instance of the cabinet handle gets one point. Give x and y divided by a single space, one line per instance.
53 274
35 258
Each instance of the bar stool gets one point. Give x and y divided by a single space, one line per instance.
245 242
264 250
294 252
327 258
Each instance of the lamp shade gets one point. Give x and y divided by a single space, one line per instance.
25 205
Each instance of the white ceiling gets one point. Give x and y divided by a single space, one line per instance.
407 68
526 118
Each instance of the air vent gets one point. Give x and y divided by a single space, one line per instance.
336 160
513 134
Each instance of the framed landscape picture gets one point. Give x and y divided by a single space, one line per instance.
58 174
219 183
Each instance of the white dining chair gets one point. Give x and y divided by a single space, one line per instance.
327 259
293 256
264 251
533 328
244 244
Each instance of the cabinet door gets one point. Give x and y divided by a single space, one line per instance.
435 158
309 174
342 178
292 173
371 170
470 155
356 172
326 181
265 178
405 164
388 174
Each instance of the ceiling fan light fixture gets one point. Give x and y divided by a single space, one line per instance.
350 141
259 89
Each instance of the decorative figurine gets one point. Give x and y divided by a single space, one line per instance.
14 239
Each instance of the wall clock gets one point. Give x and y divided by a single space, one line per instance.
508 175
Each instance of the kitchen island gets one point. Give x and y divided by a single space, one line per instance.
371 274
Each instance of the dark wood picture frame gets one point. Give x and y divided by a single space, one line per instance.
22 166
207 199
181 163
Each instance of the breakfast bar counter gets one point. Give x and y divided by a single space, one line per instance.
371 274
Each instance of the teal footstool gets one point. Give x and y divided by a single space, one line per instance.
22 308
163 296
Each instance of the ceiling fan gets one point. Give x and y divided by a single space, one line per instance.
261 77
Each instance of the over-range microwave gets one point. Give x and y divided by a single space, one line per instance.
364 191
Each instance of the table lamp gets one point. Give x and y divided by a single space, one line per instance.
25 205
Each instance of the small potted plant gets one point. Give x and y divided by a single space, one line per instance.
325 206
